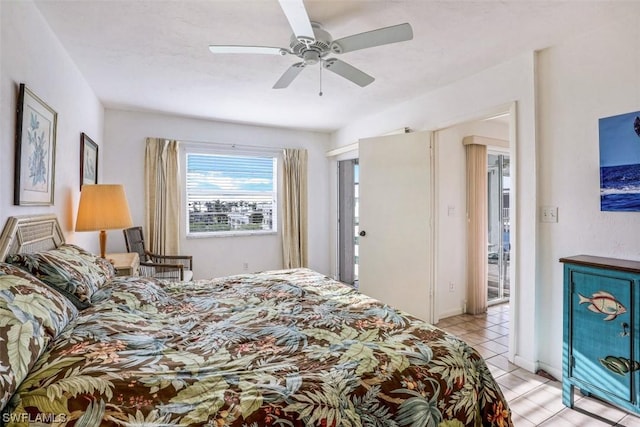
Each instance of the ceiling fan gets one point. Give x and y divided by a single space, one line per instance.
313 44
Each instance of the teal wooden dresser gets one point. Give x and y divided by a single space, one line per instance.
601 349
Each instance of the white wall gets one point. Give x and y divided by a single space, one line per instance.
31 54
451 218
472 98
594 76
125 134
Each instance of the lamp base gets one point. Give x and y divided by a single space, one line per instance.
103 243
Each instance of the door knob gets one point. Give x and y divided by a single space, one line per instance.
363 233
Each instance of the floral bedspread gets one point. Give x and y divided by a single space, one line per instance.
281 348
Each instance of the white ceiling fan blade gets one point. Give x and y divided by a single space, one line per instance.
381 36
288 76
347 71
298 18
263 50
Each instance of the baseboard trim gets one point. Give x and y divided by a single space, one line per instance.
525 364
450 313
554 372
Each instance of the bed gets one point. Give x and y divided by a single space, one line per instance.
277 348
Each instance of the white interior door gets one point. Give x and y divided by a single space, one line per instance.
396 244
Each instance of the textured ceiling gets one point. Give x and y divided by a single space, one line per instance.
153 55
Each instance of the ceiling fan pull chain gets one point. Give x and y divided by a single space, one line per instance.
321 66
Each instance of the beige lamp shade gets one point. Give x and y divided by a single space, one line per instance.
103 207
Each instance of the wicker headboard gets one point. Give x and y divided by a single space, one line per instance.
30 233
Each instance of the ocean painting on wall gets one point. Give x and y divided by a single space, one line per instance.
620 162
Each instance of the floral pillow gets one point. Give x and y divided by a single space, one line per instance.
73 271
100 265
31 315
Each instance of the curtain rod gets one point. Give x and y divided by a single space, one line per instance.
484 140
230 145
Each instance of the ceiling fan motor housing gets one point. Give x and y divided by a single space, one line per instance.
312 51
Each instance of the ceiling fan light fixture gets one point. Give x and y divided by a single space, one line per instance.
311 57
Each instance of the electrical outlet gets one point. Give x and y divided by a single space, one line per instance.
245 266
452 287
549 214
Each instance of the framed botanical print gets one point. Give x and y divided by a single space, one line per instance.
34 182
88 160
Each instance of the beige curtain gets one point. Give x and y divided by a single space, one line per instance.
294 218
162 196
477 234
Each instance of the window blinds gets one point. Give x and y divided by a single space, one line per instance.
231 193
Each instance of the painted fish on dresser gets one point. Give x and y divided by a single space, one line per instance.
619 365
605 303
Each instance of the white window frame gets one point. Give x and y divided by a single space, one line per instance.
230 150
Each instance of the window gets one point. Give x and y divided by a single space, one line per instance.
231 194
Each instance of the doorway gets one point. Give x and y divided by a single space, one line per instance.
498 222
448 274
348 221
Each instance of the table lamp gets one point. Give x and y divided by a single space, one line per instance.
103 207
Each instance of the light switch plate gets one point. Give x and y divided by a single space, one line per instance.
549 214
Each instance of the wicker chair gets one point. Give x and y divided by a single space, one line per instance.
171 267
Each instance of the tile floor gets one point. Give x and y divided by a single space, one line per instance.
534 400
